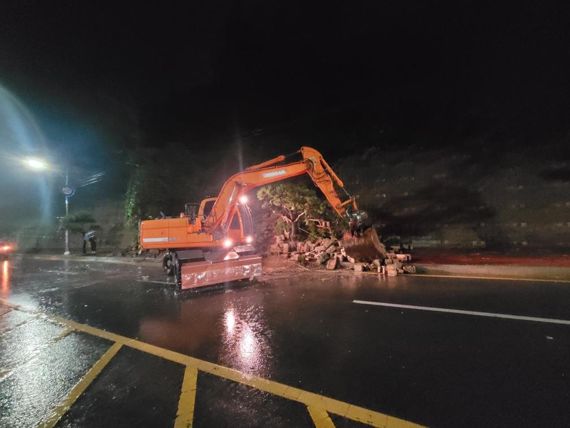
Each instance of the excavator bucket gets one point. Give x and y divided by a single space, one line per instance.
365 247
203 273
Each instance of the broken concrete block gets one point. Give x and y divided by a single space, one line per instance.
274 249
332 264
347 265
391 270
331 248
409 268
404 257
322 258
359 267
350 259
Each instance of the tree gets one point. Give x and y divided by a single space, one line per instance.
77 223
293 203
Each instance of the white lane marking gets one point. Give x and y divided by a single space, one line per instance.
155 282
458 311
60 271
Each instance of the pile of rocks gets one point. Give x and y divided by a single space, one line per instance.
329 253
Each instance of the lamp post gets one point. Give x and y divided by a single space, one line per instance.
38 164
66 252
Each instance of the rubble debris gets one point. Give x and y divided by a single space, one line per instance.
332 263
331 254
359 267
391 270
323 257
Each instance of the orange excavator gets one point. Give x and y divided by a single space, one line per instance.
212 242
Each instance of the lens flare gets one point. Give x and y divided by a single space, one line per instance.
36 164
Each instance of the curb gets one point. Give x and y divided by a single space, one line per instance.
529 273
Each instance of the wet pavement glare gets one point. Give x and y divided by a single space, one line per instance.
300 329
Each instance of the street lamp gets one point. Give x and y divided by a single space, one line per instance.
38 164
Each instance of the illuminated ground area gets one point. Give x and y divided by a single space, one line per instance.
298 330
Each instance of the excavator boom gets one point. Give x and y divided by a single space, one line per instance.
271 171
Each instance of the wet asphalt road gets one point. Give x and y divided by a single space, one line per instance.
300 329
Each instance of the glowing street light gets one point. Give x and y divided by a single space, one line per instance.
36 164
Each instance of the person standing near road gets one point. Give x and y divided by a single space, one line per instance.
89 236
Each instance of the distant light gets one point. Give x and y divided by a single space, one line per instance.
36 164
228 243
243 199
6 248
249 239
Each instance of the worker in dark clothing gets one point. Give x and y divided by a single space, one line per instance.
89 236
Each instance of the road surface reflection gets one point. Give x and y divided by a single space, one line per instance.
5 280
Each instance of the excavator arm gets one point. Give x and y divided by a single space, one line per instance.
312 163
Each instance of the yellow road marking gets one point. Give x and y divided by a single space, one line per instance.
307 398
66 331
185 414
494 278
80 387
320 417
340 408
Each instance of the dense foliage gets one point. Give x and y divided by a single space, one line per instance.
295 208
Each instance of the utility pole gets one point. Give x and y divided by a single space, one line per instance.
66 192
66 252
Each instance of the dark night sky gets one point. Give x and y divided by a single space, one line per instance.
335 75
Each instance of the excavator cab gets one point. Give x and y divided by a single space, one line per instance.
191 210
205 208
